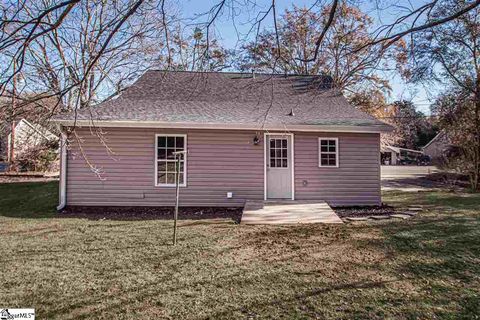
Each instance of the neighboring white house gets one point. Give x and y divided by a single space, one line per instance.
28 135
437 147
393 155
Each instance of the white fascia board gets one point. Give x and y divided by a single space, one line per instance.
226 126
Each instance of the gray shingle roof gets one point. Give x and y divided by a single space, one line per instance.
229 98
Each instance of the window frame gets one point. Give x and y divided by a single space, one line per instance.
337 152
185 144
287 158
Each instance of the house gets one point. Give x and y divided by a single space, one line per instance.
26 136
247 137
391 155
438 147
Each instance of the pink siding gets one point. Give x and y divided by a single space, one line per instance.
218 162
355 182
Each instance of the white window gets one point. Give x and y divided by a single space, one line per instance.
328 152
278 153
165 162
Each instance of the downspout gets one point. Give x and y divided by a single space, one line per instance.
63 171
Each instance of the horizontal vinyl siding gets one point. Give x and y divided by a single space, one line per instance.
355 182
218 162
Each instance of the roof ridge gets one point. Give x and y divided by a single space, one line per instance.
240 73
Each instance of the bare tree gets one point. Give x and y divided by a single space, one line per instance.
27 25
73 60
82 51
450 53
297 33
187 50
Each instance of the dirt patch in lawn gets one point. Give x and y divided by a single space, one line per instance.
151 213
360 211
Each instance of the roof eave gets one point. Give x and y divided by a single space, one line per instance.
378 128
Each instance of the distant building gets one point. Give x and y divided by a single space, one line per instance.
437 148
391 155
26 136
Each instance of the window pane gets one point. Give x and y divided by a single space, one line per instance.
161 153
161 177
328 160
278 163
272 143
324 142
272 163
170 178
284 163
278 143
162 166
284 153
181 178
171 142
279 153
272 153
162 142
331 148
179 142
182 166
324 149
171 167
284 143
170 154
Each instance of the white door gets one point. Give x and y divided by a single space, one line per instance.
279 166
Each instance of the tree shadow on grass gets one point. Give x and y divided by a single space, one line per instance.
442 254
442 202
28 199
451 242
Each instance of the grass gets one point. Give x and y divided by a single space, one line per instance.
28 199
423 268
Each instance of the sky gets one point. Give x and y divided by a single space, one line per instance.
232 26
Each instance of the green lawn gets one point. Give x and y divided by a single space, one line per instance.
423 268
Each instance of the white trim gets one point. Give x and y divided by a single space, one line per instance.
228 126
293 167
265 166
337 152
155 155
62 190
292 153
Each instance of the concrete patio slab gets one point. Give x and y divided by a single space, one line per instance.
288 212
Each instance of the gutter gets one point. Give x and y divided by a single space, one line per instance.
62 195
379 128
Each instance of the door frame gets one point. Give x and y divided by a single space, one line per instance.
265 141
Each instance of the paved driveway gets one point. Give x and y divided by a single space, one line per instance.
408 178
397 172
